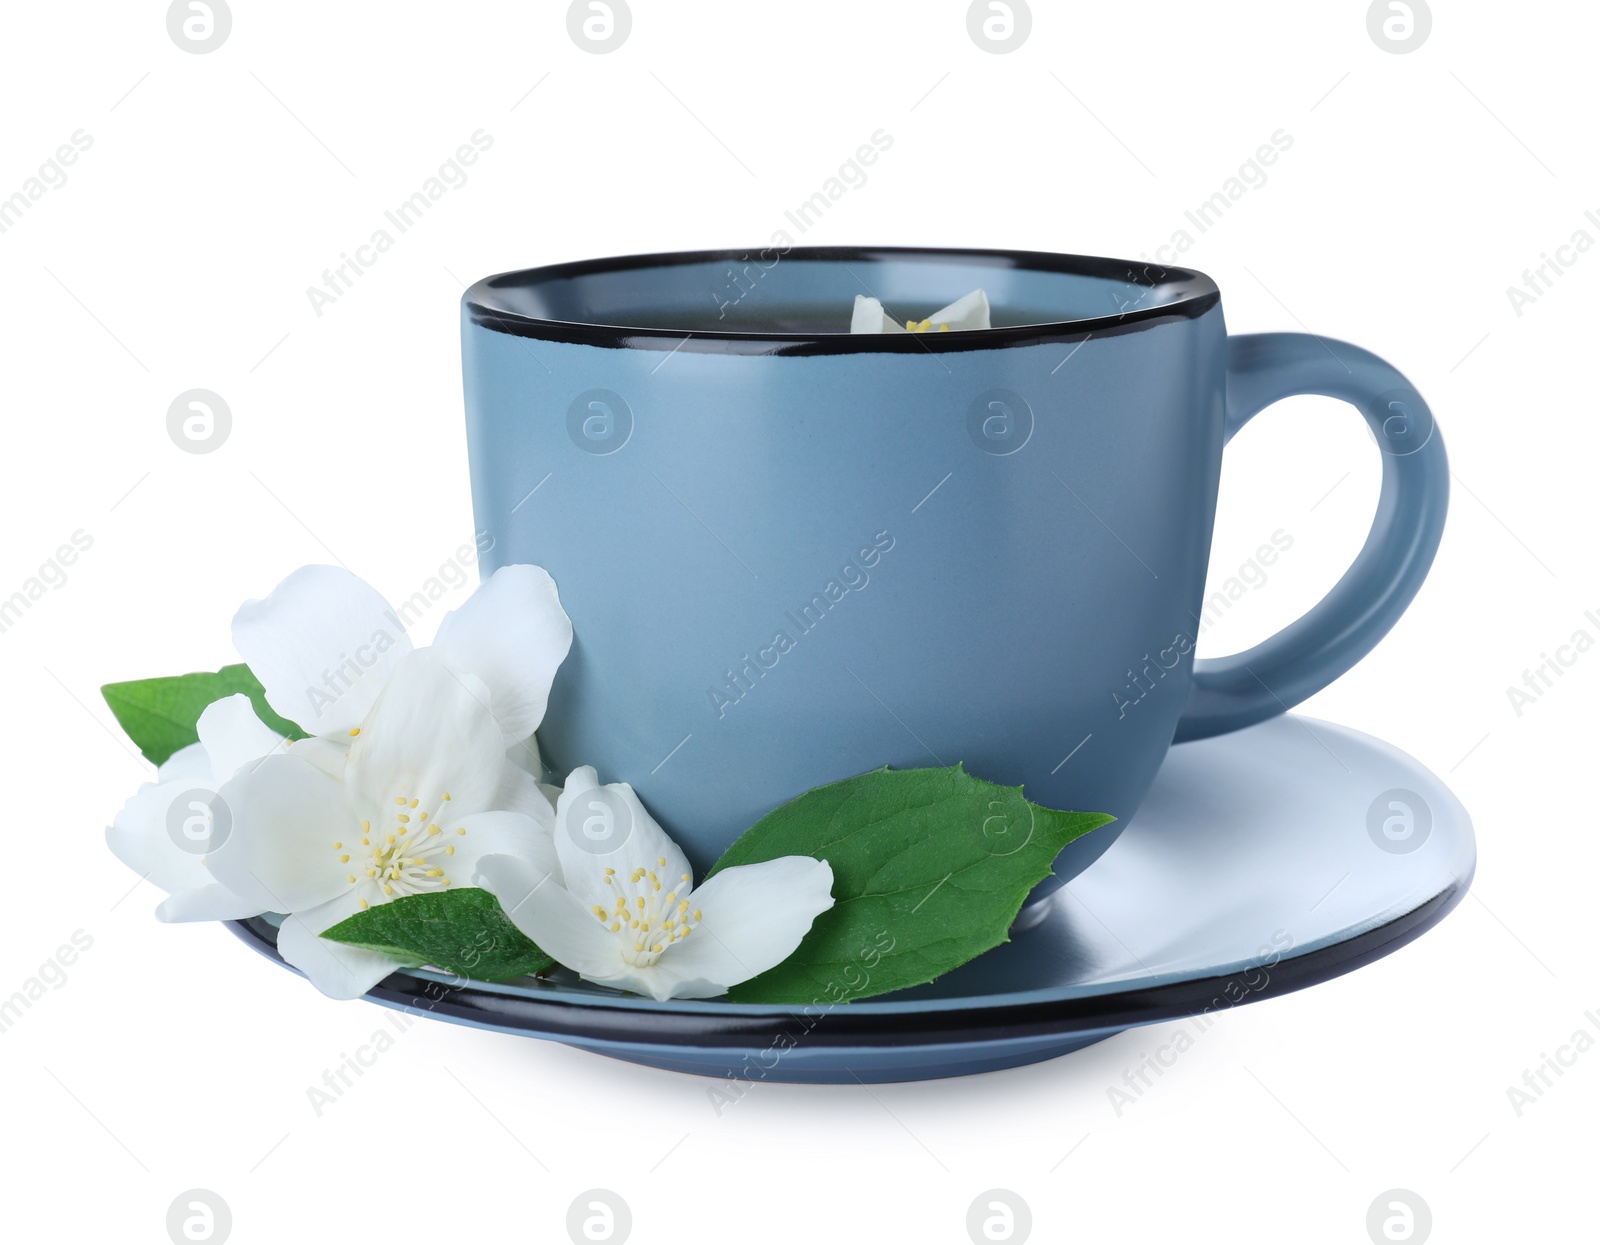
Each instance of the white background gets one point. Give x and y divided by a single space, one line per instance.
220 186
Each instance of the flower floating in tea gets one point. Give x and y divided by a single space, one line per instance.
970 311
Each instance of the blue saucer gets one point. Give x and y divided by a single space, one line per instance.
1262 862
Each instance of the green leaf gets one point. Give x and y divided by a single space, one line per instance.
930 867
160 714
463 931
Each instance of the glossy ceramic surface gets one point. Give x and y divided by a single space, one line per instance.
1262 861
792 554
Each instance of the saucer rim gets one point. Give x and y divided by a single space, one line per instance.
1121 1005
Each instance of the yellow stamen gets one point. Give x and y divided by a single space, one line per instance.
354 731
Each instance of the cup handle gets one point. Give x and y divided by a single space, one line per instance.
1229 693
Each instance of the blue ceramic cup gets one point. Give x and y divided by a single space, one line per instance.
791 554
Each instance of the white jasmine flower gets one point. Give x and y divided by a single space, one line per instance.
166 830
421 761
324 643
970 311
619 905
425 792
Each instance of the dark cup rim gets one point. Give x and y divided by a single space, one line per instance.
1175 294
